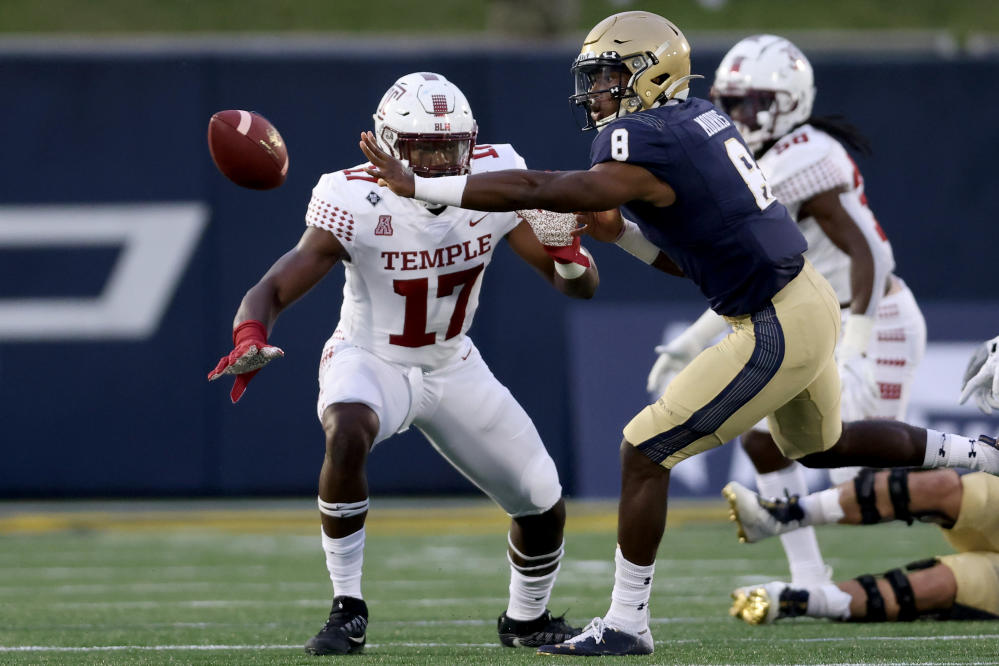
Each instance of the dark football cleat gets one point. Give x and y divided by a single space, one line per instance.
345 630
540 631
599 640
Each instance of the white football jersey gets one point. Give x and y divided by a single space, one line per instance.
805 163
413 277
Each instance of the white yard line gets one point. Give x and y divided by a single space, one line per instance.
177 648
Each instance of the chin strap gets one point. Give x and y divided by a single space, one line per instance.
672 90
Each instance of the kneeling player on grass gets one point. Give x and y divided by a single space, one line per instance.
400 355
960 586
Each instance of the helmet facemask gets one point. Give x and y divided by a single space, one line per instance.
605 75
754 113
426 121
430 155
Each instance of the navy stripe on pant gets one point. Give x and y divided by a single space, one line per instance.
766 359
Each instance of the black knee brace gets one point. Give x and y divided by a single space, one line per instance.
898 491
863 485
903 595
919 565
875 602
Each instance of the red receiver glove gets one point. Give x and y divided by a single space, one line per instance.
250 353
568 254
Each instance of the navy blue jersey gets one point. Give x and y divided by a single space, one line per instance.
726 230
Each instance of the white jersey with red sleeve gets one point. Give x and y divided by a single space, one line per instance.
807 162
413 277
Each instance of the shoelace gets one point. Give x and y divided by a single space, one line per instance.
595 628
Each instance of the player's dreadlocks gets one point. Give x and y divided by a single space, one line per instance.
837 126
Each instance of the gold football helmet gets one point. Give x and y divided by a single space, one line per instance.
639 58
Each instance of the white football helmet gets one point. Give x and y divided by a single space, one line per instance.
425 120
766 85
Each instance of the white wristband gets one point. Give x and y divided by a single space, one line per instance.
570 271
856 334
634 243
445 190
573 270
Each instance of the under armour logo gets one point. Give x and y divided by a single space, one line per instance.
374 198
972 453
647 580
641 606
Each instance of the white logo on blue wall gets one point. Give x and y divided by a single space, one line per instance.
157 241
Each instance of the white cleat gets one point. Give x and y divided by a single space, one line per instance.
758 518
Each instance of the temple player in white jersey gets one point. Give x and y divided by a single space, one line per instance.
400 355
766 85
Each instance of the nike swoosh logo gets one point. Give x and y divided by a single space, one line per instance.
472 224
357 640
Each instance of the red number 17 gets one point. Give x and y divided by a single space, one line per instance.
414 327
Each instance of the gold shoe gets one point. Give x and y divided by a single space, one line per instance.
739 601
757 607
733 516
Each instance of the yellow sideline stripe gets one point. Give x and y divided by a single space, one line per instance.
584 517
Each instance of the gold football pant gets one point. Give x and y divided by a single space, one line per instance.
975 536
776 363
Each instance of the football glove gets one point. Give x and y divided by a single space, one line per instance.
860 391
981 378
671 360
681 350
250 353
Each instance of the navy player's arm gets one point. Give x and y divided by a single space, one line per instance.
606 185
843 231
529 248
291 276
606 226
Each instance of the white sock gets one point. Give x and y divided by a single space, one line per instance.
344 558
828 601
629 609
947 450
822 508
800 545
529 595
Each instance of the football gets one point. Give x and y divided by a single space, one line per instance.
247 149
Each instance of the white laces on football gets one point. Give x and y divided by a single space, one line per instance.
595 629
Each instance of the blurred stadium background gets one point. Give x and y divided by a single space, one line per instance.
123 255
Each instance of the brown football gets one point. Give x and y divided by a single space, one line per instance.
247 149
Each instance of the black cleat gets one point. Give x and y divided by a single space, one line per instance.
345 631
543 630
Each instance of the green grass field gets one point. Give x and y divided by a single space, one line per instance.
218 586
455 16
